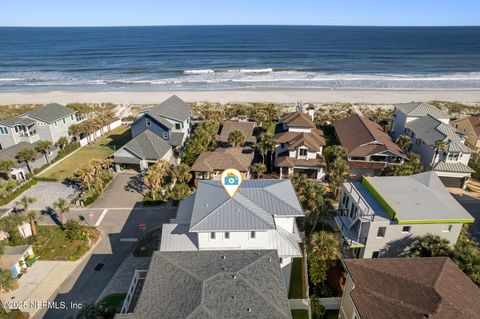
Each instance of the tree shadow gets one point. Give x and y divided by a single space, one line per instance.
50 212
135 184
398 248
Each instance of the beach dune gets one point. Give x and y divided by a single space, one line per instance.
254 95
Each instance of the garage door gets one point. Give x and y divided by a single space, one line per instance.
452 181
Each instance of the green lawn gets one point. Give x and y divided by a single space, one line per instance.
100 149
52 244
296 280
300 314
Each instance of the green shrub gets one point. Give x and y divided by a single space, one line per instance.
73 230
69 148
318 311
77 254
17 192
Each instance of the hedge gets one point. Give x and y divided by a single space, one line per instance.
18 192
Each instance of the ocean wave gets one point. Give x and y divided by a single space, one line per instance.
210 71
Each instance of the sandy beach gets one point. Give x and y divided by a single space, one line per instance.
254 95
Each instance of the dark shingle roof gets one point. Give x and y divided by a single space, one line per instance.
174 107
298 119
409 288
362 137
213 284
221 159
148 146
10 153
51 113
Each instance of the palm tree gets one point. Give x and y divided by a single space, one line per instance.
62 142
404 142
31 217
6 166
237 138
259 169
338 171
181 174
19 219
9 225
155 177
431 246
27 155
44 148
266 143
324 251
62 206
440 145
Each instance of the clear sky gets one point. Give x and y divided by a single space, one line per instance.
208 12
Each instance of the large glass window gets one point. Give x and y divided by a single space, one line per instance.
381 231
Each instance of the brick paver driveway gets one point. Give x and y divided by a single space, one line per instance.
46 193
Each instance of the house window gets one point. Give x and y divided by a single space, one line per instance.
381 232
71 117
281 260
303 152
177 126
227 235
406 229
165 135
148 122
56 123
375 254
447 228
253 235
212 235
64 121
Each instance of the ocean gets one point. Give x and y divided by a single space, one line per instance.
231 57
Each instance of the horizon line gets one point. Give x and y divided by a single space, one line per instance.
239 25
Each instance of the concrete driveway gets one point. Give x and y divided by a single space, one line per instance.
123 192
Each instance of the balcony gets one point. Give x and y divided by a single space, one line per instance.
351 237
28 136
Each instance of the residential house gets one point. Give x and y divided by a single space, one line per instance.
48 123
470 127
247 128
369 147
261 215
210 165
408 288
143 150
380 216
20 170
407 112
170 120
299 147
210 285
451 162
14 258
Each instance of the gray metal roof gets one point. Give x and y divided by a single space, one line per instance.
174 107
453 167
420 197
176 237
252 208
148 146
430 130
213 284
51 113
419 109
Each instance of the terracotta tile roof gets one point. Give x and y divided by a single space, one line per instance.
408 288
285 161
313 140
245 127
221 159
298 119
475 121
362 137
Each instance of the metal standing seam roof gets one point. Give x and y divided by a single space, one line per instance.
252 208
453 167
174 107
419 198
419 109
147 146
213 284
430 130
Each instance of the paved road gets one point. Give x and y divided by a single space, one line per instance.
118 222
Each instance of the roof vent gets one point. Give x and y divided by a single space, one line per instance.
223 256
224 268
206 204
249 309
269 259
233 297
238 209
234 276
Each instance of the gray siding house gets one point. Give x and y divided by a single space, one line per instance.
48 123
